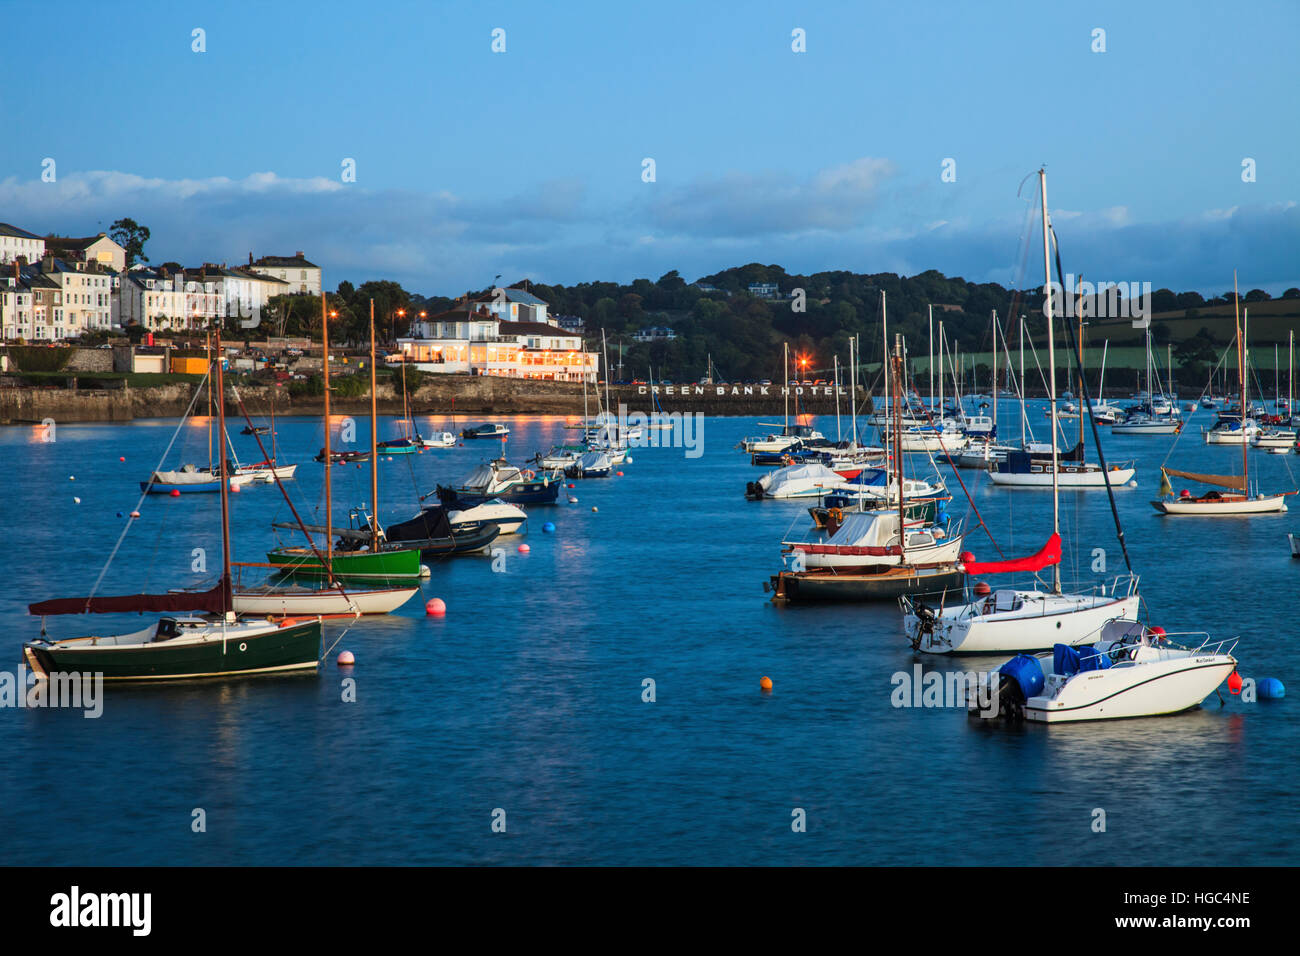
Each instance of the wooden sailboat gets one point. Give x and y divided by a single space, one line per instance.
280 597
1236 499
213 642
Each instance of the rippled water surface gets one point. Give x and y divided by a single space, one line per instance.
527 696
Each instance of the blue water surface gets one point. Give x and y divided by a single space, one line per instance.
527 696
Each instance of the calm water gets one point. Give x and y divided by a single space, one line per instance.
527 696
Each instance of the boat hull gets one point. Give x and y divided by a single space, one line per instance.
1225 506
290 603
1065 479
1014 631
1148 690
275 649
348 565
807 587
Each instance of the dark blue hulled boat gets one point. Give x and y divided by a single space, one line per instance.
498 479
489 430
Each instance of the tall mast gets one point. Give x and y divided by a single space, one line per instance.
942 351
1051 365
225 479
853 389
374 435
1022 383
884 355
1079 395
785 370
898 450
1241 374
329 460
838 437
931 353
995 371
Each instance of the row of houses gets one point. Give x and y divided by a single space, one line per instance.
54 288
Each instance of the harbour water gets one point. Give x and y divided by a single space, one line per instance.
528 696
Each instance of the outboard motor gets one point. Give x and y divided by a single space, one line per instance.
1018 680
753 490
925 620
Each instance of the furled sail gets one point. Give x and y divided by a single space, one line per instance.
1048 554
215 601
1235 482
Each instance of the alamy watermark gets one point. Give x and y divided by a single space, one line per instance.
78 691
661 430
966 690
1102 300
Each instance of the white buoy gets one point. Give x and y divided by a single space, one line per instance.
425 572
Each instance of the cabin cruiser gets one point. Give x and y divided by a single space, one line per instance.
811 480
489 430
1229 430
499 479
1124 669
779 441
1033 469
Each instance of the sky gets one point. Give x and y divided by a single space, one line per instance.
530 162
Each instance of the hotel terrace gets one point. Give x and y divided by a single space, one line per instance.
481 337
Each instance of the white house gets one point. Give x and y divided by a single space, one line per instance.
15 242
242 294
472 339
157 299
514 305
85 303
98 248
303 277
15 308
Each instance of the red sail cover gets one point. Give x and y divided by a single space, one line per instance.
215 601
1048 555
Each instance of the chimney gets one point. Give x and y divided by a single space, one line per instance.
299 254
250 258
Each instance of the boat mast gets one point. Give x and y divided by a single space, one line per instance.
898 453
374 436
1022 383
838 437
1051 366
931 354
1241 374
1079 398
995 374
884 357
942 353
785 370
225 487
329 459
853 388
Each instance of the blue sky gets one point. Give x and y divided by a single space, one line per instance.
528 163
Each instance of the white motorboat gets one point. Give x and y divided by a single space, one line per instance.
1274 438
265 472
438 440
1147 425
1229 431
507 517
870 539
812 480
1130 670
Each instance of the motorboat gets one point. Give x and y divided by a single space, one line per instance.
499 479
1124 669
508 518
1033 469
488 430
592 464
811 480
778 441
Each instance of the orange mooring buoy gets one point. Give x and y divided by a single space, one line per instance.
766 683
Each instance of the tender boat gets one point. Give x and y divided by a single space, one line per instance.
1129 670
489 430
